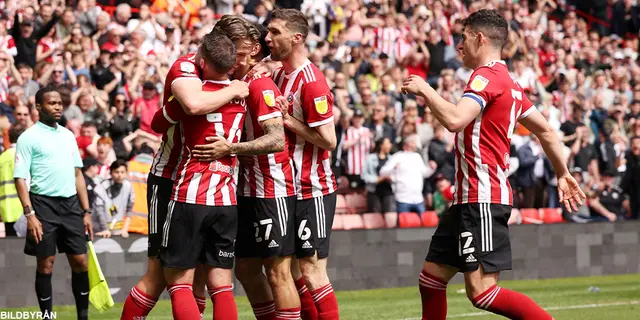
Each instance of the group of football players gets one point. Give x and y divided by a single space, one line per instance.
274 121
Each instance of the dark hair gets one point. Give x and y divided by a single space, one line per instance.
88 124
117 164
23 65
237 28
264 48
491 24
218 51
379 143
14 133
40 94
295 20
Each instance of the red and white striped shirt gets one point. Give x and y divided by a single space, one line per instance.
482 148
359 151
311 102
270 175
208 183
168 156
385 40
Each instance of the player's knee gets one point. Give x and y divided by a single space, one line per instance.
246 272
278 274
474 289
312 272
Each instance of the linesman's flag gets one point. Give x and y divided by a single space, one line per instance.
99 294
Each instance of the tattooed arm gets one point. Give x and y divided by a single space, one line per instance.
272 141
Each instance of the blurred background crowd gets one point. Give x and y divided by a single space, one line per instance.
576 59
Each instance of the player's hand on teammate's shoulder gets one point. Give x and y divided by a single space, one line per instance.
240 89
264 67
217 148
570 193
415 85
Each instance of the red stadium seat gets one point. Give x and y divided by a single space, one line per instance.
357 202
409 220
338 223
391 219
551 215
352 221
373 221
341 205
430 219
530 216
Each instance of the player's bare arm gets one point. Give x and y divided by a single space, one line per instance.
195 101
454 117
323 136
81 189
569 191
272 141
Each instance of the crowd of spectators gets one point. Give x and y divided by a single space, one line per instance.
577 61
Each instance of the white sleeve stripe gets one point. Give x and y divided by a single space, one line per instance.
166 116
271 115
527 113
319 123
477 98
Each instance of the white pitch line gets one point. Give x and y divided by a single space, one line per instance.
581 306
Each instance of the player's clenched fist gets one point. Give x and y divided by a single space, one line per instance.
240 89
415 85
283 105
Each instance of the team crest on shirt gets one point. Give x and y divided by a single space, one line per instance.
187 67
479 83
321 104
290 98
269 98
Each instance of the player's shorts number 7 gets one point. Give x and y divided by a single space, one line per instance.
267 232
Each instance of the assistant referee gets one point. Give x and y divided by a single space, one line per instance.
56 206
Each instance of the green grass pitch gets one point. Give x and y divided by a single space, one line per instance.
566 299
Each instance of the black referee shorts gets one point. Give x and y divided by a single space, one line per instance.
62 226
473 234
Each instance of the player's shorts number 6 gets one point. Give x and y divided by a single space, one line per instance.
304 233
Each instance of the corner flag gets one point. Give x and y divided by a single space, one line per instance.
99 294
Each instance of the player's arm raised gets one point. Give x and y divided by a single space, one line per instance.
454 117
319 129
196 101
569 191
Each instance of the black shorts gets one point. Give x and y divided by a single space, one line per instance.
266 227
314 219
62 226
158 195
472 234
196 233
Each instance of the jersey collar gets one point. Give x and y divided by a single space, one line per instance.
296 71
491 63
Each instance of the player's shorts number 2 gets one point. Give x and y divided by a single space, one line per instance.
464 243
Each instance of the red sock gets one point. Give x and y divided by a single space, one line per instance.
224 305
264 310
138 304
326 303
511 304
308 307
183 304
433 292
288 314
201 302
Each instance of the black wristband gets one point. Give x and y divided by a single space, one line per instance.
86 211
27 209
